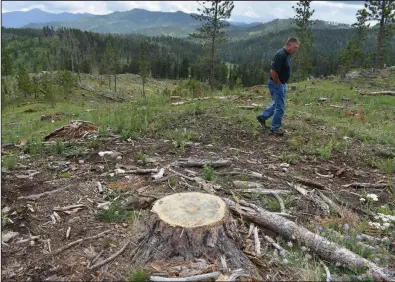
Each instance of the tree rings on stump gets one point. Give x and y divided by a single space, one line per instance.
192 225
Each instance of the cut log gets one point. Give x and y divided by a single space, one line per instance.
321 246
193 225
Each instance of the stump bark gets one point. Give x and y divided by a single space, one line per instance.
193 225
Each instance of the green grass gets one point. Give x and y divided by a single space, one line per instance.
117 212
209 173
319 131
10 162
138 275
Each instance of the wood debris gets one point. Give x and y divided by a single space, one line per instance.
74 130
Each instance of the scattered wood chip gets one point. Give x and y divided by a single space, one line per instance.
340 172
159 174
68 232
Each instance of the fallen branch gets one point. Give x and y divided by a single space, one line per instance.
283 252
366 185
254 187
252 174
328 273
263 191
88 88
79 241
112 256
37 196
205 185
211 275
332 204
159 174
321 246
202 163
144 170
389 93
257 242
282 206
69 207
99 187
163 179
308 182
250 107
95 258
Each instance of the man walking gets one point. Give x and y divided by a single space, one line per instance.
279 76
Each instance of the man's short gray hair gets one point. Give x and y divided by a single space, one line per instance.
292 40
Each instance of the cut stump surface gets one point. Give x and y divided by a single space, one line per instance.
193 225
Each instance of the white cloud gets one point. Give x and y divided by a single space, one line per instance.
337 5
250 14
248 11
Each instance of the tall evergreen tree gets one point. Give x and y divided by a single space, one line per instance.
144 65
211 33
384 13
353 55
184 71
6 62
302 19
23 81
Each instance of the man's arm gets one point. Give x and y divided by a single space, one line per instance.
275 77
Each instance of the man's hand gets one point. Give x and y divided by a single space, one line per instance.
275 77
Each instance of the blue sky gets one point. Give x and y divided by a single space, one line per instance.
245 11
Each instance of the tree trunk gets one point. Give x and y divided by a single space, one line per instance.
213 47
380 39
292 231
115 82
143 88
193 225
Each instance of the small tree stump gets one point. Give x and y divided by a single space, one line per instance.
193 225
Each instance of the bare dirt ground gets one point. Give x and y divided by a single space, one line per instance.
40 249
36 259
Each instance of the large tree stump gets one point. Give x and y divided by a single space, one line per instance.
193 225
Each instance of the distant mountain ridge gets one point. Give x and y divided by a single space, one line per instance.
19 19
156 23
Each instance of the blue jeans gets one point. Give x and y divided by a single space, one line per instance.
277 108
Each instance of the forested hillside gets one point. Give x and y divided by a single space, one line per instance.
171 57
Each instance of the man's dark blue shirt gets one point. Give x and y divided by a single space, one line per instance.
281 63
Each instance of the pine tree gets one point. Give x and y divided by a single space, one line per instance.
23 81
184 71
384 13
302 19
144 65
211 33
353 55
6 62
